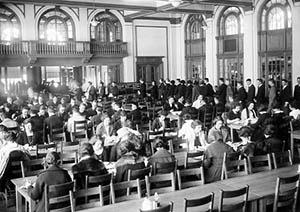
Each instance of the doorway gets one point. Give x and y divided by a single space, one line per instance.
149 68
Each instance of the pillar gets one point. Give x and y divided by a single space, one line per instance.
296 42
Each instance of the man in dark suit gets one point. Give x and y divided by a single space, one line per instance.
202 89
285 95
91 92
181 88
241 93
52 122
189 91
196 91
53 175
222 91
209 88
161 89
251 91
297 93
260 97
142 91
114 90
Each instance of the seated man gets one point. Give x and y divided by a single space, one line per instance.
161 122
53 175
161 155
88 164
234 116
76 116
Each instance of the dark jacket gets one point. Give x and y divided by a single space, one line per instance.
102 91
52 122
54 175
154 92
222 93
297 95
209 90
272 144
161 156
161 91
251 93
260 96
143 90
285 95
196 92
241 95
180 91
89 166
189 93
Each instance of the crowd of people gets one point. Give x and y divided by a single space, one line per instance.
113 134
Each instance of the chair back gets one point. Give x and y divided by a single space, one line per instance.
286 193
42 149
206 200
238 204
32 167
163 168
175 145
282 159
167 208
208 116
68 159
259 163
56 135
233 168
193 159
139 173
92 181
124 190
190 177
80 126
161 183
69 147
91 198
59 196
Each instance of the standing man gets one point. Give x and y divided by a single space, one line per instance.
260 97
161 89
222 91
251 91
241 95
209 88
272 95
285 95
142 91
297 93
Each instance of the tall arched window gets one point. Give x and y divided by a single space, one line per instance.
230 45
275 41
55 25
108 29
195 47
10 27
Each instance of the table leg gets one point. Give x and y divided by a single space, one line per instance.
253 206
292 145
18 201
262 205
31 205
231 133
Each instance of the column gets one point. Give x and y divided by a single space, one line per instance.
296 42
177 54
129 68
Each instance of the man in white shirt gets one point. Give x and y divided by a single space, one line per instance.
76 116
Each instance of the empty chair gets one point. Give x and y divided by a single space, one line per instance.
123 191
59 196
193 159
161 183
190 177
282 159
259 163
233 168
32 167
80 131
91 198
176 145
208 116
238 204
92 181
139 173
162 168
294 134
69 147
167 208
56 135
286 193
68 160
42 149
208 201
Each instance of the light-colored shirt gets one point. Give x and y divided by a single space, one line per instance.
75 117
295 114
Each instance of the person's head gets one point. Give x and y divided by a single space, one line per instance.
141 80
248 81
75 109
181 99
43 110
159 144
153 83
271 82
298 80
189 82
218 122
161 80
82 107
25 111
171 100
187 117
187 103
54 99
259 81
237 107
227 82
250 105
197 125
206 80
94 104
106 120
83 99
270 130
113 83
33 112
245 132
126 146
62 109
221 80
117 106
123 116
63 100
216 100
9 100
86 149
51 110
52 158
200 97
284 82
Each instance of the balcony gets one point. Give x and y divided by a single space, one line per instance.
35 50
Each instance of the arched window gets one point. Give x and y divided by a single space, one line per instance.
10 27
195 47
108 29
230 45
275 41
55 25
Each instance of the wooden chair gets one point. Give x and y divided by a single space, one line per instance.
184 177
124 190
282 159
161 183
91 197
167 208
208 116
68 159
32 167
139 173
192 203
196 159
241 205
294 135
163 168
233 168
175 145
56 135
259 163
61 194
80 131
70 147
151 135
92 181
42 149
286 193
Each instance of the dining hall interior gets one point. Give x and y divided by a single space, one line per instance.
149 105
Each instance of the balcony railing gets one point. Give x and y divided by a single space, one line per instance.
72 48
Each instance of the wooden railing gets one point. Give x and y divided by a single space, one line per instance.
41 48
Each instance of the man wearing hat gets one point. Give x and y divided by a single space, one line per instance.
53 175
